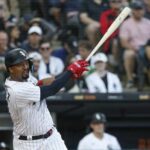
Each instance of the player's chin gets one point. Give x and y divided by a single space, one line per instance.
25 76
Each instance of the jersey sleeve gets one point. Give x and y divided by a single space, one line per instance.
83 145
114 144
26 93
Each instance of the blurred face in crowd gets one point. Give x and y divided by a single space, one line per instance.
83 52
100 66
15 32
45 50
147 2
138 13
36 64
98 128
34 38
3 41
115 4
20 71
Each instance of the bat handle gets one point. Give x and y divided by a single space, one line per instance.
88 58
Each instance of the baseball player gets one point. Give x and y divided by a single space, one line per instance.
98 139
33 125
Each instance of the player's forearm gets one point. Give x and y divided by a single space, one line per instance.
85 19
52 89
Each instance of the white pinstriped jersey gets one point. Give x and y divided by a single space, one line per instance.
29 115
91 142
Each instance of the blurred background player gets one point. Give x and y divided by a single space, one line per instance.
102 81
98 139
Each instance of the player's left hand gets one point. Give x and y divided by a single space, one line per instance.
77 68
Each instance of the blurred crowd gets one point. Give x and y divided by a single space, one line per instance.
57 32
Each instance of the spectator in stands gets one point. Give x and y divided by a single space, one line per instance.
34 37
4 14
147 8
134 33
72 8
89 16
106 18
25 25
84 49
47 27
2 17
14 34
98 139
3 49
102 80
50 65
36 59
143 65
68 51
40 8
56 11
11 21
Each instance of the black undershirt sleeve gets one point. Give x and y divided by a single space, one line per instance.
52 89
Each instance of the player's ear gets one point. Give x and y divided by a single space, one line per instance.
10 70
91 125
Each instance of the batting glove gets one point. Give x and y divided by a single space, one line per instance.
77 68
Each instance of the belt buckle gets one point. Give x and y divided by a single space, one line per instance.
29 137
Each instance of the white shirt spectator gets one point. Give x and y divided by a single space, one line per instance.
55 67
102 81
91 142
96 84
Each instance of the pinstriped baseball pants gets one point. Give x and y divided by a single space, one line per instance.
54 142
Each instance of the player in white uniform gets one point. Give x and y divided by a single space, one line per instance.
33 125
98 139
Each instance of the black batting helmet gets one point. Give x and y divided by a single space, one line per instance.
16 56
98 118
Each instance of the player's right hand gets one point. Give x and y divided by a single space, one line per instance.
78 67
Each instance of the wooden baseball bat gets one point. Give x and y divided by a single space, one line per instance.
125 12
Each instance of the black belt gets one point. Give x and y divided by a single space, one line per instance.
44 136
